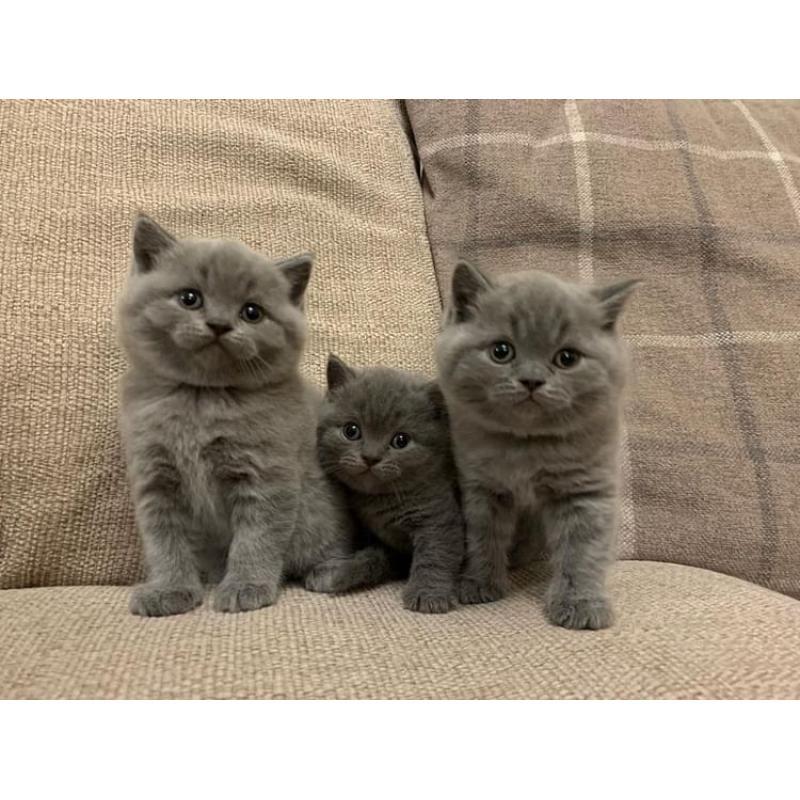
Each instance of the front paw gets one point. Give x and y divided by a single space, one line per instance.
427 601
329 577
589 614
471 591
236 596
149 600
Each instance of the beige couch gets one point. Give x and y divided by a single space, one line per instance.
340 178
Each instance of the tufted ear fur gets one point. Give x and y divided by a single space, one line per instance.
149 241
338 373
612 299
297 270
436 399
468 284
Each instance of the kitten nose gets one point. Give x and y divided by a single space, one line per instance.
219 327
531 384
370 460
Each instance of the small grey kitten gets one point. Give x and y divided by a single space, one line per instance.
532 371
218 426
384 434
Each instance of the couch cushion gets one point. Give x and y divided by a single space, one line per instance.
701 200
681 633
335 177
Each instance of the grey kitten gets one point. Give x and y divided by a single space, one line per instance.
533 371
384 434
218 426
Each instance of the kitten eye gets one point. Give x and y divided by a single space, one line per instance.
502 352
567 358
190 298
400 440
252 312
351 431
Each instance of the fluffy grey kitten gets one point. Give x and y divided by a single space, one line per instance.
532 371
384 434
218 426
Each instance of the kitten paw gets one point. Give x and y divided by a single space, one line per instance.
329 577
590 614
472 591
160 601
427 601
233 597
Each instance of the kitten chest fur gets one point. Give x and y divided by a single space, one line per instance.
210 437
533 469
395 517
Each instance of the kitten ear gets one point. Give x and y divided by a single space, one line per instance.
297 270
468 283
436 399
338 372
149 241
612 299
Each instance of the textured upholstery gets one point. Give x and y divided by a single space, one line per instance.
681 633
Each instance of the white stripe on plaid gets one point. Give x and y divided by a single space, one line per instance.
776 156
701 340
660 145
483 139
584 190
626 546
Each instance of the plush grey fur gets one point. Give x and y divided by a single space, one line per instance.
218 426
535 438
406 495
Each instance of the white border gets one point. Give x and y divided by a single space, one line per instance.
403 750
398 49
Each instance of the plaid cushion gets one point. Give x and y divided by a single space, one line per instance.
701 200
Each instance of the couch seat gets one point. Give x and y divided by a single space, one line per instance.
681 632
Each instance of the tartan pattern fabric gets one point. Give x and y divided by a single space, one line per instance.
700 199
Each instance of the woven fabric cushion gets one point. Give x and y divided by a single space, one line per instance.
701 200
334 177
681 633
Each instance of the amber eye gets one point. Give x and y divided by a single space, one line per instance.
502 352
252 312
567 358
400 440
351 431
190 298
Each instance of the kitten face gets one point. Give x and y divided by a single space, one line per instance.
212 313
380 428
532 353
